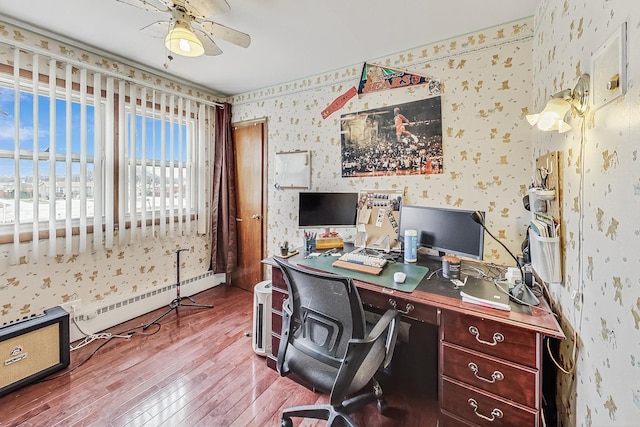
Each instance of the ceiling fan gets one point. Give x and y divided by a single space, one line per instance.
189 31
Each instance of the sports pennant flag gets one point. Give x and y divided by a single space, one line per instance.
376 78
339 102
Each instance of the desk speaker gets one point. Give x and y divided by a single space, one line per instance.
33 348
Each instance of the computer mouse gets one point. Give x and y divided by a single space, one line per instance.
399 277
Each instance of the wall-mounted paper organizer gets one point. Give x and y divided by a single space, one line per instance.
547 253
545 257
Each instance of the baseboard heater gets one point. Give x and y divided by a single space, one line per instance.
33 348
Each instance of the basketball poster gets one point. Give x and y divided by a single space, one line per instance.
403 139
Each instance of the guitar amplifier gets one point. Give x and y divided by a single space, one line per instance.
33 348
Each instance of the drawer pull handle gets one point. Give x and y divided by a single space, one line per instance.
496 376
408 309
496 413
497 337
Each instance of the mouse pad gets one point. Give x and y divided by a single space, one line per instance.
415 273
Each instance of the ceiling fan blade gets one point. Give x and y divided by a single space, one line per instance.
225 33
158 29
203 9
150 5
210 47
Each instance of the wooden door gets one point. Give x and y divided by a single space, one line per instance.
249 141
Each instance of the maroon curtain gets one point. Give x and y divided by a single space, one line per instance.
224 242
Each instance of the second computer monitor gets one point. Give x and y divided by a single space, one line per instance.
327 209
448 231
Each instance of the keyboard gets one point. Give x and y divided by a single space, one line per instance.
359 258
370 264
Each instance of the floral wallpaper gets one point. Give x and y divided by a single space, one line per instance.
600 297
115 274
105 275
486 88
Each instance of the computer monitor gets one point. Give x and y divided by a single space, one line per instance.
327 210
448 231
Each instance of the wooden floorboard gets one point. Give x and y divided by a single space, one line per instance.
197 368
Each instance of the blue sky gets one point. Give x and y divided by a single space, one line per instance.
7 126
27 133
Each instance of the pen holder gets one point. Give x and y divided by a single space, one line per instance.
309 246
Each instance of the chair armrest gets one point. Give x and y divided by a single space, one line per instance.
287 312
360 362
388 321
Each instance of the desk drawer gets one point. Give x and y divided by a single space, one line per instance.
494 338
483 409
514 382
277 298
275 345
408 308
277 279
276 323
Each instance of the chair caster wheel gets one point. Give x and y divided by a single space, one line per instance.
382 406
286 422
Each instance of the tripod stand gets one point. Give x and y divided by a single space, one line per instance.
177 302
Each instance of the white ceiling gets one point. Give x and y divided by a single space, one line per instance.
290 39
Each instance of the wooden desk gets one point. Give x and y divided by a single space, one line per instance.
489 361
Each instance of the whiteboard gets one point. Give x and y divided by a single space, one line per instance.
293 169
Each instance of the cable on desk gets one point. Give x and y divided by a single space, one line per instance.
433 272
493 272
473 271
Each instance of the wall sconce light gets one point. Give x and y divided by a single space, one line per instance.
553 114
181 40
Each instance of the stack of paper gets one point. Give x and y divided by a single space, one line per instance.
544 225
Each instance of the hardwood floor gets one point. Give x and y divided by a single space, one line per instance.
197 369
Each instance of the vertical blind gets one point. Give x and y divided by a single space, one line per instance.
117 162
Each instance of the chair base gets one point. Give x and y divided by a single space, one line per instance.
336 414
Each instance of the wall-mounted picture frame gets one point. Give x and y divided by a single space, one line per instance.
609 69
401 139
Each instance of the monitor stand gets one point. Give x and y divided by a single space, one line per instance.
328 233
360 241
383 243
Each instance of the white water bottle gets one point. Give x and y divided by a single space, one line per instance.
410 246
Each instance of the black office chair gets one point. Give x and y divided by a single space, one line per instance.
325 342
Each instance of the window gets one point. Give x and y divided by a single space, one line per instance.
34 171
151 166
161 183
130 160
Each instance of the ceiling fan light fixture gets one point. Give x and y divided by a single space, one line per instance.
182 41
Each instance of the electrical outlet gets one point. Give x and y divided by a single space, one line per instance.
72 307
